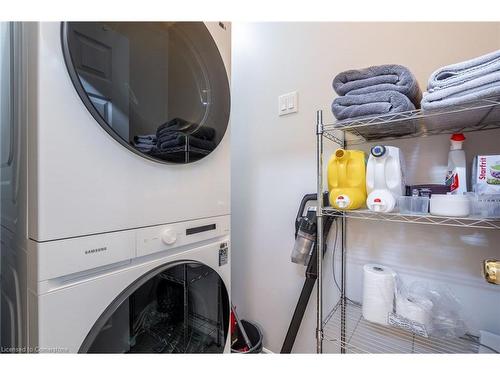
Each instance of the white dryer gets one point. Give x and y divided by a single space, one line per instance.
98 95
115 187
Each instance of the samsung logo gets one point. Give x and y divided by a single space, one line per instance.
97 250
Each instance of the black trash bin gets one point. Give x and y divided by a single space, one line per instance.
254 335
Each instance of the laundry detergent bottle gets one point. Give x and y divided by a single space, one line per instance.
346 179
385 178
456 177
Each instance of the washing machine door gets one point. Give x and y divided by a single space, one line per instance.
178 308
159 88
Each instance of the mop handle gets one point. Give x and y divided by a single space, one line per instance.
242 330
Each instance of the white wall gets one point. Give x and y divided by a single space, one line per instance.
5 101
273 166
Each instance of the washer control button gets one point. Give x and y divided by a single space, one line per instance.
169 236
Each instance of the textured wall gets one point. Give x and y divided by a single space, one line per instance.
273 165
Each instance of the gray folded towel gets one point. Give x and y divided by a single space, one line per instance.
389 77
372 104
463 82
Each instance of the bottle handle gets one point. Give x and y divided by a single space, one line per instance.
379 182
343 170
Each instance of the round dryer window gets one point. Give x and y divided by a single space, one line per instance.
159 88
179 308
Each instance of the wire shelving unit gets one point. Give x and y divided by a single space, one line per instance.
362 337
481 114
466 222
344 327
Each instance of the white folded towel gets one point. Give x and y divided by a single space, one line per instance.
489 339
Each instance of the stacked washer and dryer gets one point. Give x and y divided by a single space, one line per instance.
115 188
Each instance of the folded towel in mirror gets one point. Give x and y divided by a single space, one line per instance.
204 132
180 140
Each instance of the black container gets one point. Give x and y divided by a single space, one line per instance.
426 190
254 335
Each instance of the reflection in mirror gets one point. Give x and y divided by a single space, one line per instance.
160 88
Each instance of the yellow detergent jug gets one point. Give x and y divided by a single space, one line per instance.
347 179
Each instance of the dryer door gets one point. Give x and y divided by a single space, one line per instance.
159 88
179 308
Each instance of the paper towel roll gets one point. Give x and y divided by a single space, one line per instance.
378 292
417 309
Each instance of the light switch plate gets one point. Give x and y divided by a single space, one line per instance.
288 103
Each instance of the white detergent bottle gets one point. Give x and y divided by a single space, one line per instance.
456 176
385 178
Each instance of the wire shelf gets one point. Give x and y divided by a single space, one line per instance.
465 222
195 274
362 336
478 115
198 335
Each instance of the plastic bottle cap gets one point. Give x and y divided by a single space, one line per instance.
342 201
458 137
340 153
378 150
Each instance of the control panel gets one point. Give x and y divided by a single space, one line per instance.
71 256
163 237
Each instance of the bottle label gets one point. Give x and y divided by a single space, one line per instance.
342 201
452 181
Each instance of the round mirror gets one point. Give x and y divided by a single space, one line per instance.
159 88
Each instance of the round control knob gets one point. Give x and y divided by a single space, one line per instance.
169 236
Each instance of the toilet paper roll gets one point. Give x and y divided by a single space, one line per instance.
378 292
417 309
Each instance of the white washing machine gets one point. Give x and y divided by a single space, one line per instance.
142 296
115 168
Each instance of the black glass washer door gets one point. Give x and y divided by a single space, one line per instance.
159 88
180 308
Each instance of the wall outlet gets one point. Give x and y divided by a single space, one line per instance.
288 103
